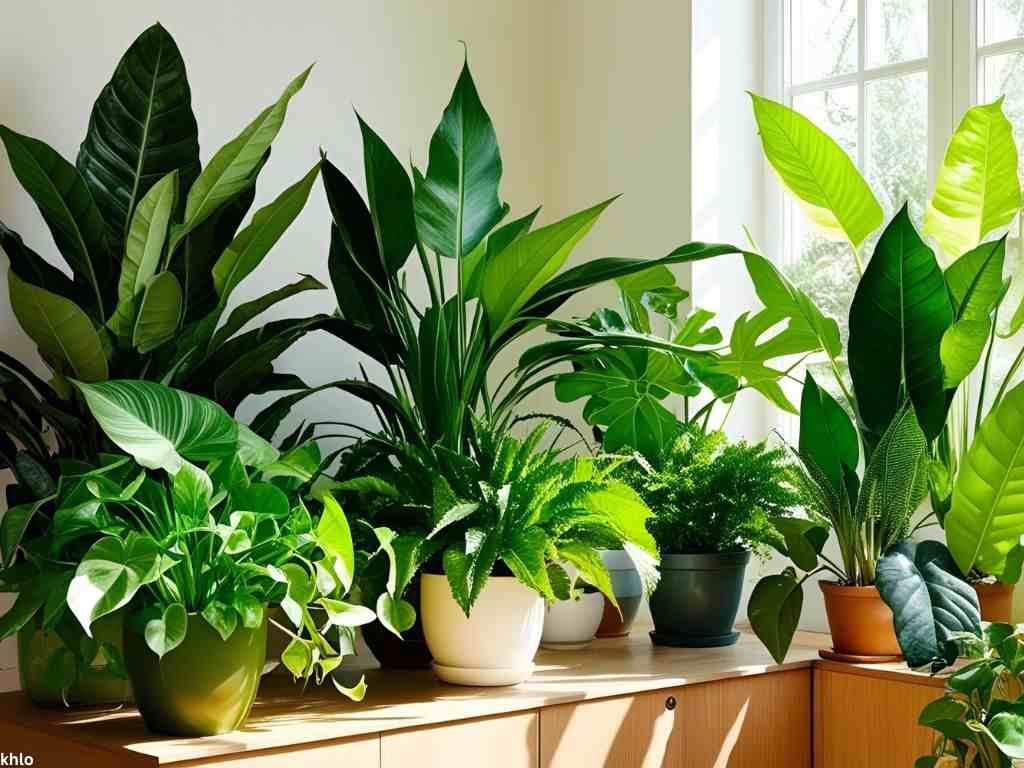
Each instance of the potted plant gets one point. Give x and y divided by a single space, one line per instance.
573 623
208 541
713 503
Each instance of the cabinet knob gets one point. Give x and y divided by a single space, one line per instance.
670 703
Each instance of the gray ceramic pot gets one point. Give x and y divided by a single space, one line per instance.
696 601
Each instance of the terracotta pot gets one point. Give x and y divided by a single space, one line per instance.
996 601
860 622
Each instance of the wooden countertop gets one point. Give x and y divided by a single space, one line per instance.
285 716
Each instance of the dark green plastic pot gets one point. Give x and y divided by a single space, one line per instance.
697 598
205 686
54 672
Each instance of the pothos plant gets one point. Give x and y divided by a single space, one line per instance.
156 248
911 345
204 518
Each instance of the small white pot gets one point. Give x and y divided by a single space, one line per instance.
495 645
572 623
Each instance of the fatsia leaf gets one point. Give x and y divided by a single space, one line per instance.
143 250
902 299
110 574
141 129
987 516
229 171
253 243
457 203
818 172
158 426
827 436
159 313
165 633
61 329
977 189
389 192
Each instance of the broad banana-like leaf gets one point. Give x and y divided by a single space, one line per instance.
253 243
827 436
899 314
243 313
986 520
141 128
977 190
143 250
389 193
818 172
64 200
159 313
500 239
514 276
60 328
457 202
230 170
158 426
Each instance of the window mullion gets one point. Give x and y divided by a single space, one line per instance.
862 23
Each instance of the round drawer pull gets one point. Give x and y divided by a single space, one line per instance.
670 703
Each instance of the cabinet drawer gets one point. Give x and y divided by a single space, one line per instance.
509 741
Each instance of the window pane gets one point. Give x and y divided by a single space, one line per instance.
1004 76
897 143
1000 20
824 38
897 30
835 112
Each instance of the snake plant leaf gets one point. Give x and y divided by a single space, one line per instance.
899 314
977 189
987 516
253 243
141 128
230 170
165 633
159 313
774 611
33 268
143 250
61 329
929 599
474 262
457 203
109 575
827 436
513 277
818 172
389 193
158 426
67 206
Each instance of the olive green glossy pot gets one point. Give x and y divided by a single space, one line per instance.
63 667
205 686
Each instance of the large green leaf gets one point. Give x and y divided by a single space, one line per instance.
986 520
110 574
977 190
899 314
818 172
827 436
141 128
158 426
457 203
143 250
230 170
159 313
64 333
432 369
774 611
390 197
511 278
74 220
930 601
474 262
253 243
243 313
335 539
33 268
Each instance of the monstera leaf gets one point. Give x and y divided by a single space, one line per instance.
987 516
929 599
818 172
977 190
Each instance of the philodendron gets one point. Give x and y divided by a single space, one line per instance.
155 250
208 536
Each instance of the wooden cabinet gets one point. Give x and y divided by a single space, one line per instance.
864 718
510 741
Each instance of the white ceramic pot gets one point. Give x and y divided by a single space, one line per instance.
572 623
495 645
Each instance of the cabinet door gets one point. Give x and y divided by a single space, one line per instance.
748 722
624 732
861 720
509 741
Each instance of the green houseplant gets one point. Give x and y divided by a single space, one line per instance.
206 537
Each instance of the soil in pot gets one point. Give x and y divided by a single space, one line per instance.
205 686
860 623
996 601
571 624
697 599
53 672
628 591
409 651
495 644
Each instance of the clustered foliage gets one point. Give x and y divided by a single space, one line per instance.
708 495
